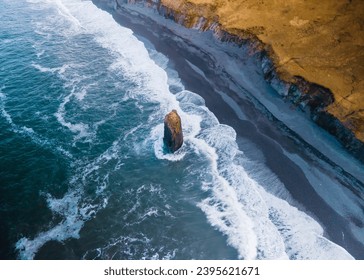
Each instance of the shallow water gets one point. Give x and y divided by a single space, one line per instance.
83 171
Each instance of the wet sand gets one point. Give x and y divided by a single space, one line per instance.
255 127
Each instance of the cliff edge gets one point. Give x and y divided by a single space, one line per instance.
321 42
311 52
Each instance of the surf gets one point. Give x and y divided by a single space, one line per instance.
258 224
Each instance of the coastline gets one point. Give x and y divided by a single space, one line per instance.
200 73
307 77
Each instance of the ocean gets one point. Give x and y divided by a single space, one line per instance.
83 170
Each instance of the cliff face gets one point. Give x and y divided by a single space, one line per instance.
311 53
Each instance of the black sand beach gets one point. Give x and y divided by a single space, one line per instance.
262 137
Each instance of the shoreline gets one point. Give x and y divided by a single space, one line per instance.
266 93
323 102
253 128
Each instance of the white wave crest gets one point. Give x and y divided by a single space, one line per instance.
81 129
68 228
28 131
59 70
256 223
74 207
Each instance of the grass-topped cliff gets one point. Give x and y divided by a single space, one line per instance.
320 41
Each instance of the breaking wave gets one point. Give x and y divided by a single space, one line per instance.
258 224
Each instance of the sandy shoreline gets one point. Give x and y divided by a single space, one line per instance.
260 137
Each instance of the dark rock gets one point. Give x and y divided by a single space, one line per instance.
336 128
173 136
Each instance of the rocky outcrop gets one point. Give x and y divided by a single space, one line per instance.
316 99
173 135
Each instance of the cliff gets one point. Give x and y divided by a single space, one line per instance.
311 53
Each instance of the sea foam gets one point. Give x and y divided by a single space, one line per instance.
256 223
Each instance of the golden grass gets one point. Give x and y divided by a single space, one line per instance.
321 41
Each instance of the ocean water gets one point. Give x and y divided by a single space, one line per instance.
83 171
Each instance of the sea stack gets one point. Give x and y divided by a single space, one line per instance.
173 136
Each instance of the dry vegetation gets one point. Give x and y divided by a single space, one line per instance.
321 41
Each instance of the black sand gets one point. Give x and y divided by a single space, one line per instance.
268 135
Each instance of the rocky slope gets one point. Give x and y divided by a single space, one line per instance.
311 53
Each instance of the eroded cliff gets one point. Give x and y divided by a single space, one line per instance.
321 41
312 52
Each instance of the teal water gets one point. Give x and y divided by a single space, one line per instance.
83 171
